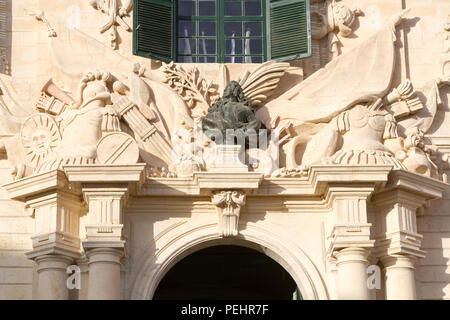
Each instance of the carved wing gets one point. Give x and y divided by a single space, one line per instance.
260 84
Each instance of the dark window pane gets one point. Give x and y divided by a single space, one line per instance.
233 8
207 46
252 8
186 8
233 59
186 28
256 59
207 28
248 59
253 29
186 46
233 46
186 59
206 8
233 26
256 46
207 59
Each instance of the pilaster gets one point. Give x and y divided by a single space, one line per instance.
106 189
398 244
56 207
347 191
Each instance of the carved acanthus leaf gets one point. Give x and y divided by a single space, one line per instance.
260 84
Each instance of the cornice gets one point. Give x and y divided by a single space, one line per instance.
28 187
317 182
419 185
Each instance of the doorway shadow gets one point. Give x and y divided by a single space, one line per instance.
226 272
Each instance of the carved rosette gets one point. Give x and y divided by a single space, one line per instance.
228 205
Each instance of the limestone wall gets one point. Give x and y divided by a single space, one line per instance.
16 228
32 57
433 272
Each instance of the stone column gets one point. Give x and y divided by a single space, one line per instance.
332 276
83 264
399 276
350 241
351 273
52 276
104 273
104 245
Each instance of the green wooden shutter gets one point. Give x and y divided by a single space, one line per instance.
153 29
289 30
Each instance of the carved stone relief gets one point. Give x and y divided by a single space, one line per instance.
40 16
334 117
228 205
330 20
116 10
446 51
337 21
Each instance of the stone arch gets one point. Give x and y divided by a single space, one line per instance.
172 246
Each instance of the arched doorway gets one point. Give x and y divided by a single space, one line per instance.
227 272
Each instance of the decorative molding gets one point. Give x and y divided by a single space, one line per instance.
132 176
397 206
105 218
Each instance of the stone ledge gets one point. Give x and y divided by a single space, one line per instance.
131 175
38 184
315 184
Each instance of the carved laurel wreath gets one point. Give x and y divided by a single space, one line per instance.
190 85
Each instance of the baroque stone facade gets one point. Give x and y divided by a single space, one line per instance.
342 168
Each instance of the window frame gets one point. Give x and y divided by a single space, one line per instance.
159 44
220 37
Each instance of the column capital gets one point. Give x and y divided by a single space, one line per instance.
105 255
399 261
53 262
351 255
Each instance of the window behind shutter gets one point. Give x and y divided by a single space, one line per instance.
154 29
289 30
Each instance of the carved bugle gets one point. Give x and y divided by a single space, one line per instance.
53 90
